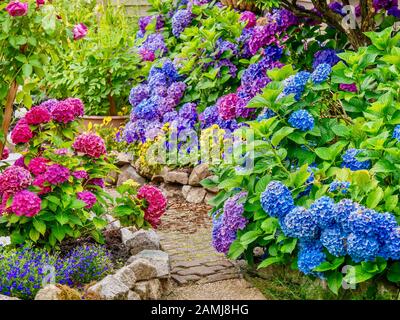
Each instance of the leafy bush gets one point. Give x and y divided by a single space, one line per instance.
324 176
55 190
24 271
100 68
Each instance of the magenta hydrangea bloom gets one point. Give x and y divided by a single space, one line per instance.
40 182
250 17
99 182
146 54
37 115
156 204
87 197
61 152
14 179
38 165
63 112
90 144
20 162
57 174
77 105
80 174
21 132
348 87
227 106
26 203
6 154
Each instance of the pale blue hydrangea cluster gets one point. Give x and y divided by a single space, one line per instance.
302 120
296 84
321 73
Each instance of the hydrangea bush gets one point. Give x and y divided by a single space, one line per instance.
322 192
55 190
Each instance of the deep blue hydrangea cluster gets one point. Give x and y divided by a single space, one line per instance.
227 223
321 73
300 223
296 84
328 56
181 19
22 270
341 186
302 120
310 256
334 240
349 160
277 199
322 211
396 132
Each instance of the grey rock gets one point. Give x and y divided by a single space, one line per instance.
155 289
112 178
157 258
199 173
196 195
110 288
126 276
177 177
49 292
126 234
123 159
208 197
142 289
113 223
142 269
3 297
185 190
143 240
128 172
132 295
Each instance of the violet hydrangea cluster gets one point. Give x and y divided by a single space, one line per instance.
180 20
228 222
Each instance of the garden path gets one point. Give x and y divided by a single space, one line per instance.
198 271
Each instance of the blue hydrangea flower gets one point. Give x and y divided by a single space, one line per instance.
328 56
396 132
384 225
208 117
300 223
169 69
321 73
337 185
323 212
361 222
157 80
181 19
273 53
350 161
333 239
302 120
147 109
296 84
266 114
342 210
362 248
391 246
277 199
310 256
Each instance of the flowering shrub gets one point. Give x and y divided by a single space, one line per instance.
141 207
55 190
321 193
23 270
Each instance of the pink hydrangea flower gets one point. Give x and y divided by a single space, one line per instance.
26 203
37 115
40 2
147 55
63 112
20 162
61 152
38 165
21 132
227 106
14 179
87 197
77 105
250 17
6 154
57 174
90 144
80 174
99 182
156 204
80 31
40 182
348 87
17 9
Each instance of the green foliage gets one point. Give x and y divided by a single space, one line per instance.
101 68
